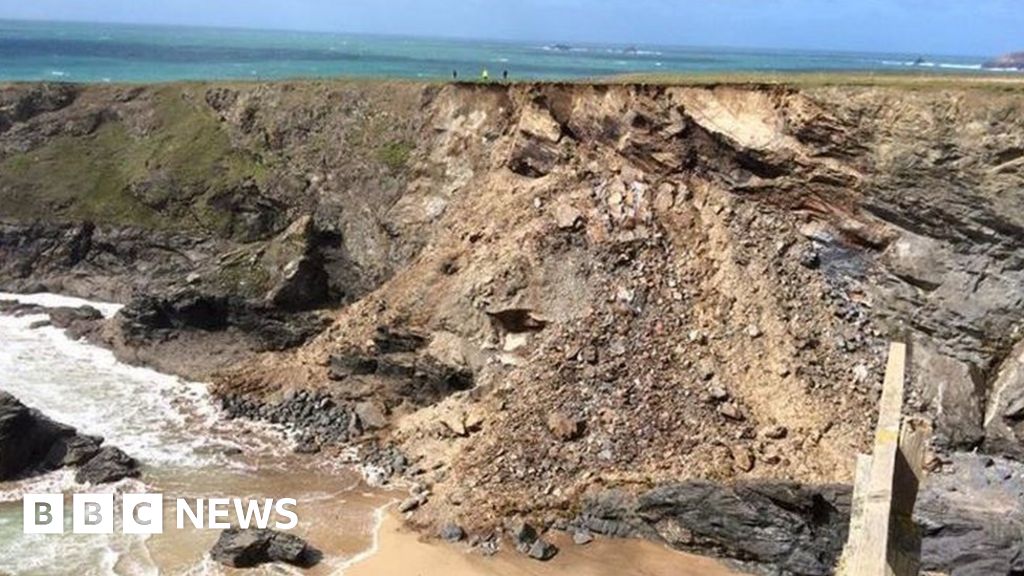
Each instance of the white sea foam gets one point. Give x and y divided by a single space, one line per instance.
378 522
159 419
171 425
108 309
926 64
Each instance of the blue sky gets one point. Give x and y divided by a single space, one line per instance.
967 27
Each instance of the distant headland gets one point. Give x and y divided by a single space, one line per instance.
1013 60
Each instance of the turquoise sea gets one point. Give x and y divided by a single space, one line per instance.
87 52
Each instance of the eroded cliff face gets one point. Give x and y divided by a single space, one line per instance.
529 294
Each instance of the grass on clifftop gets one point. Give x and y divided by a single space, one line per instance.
895 79
161 177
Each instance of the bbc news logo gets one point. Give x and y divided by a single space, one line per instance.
144 513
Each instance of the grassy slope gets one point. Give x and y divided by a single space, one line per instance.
165 175
150 179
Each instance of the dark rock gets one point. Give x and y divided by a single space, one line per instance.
390 340
248 548
27 438
785 527
452 533
523 535
110 464
954 391
979 529
542 550
344 365
73 451
534 158
153 319
31 443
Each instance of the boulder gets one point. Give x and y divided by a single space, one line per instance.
371 415
31 443
542 550
249 548
452 533
73 451
954 392
110 464
27 438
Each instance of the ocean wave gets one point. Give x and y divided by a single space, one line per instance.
49 300
160 419
928 64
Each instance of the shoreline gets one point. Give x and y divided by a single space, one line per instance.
402 550
397 547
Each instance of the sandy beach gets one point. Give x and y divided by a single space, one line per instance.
403 551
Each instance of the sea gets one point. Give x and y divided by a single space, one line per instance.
93 53
187 449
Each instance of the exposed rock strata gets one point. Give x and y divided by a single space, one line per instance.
582 287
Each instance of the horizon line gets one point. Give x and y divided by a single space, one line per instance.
545 43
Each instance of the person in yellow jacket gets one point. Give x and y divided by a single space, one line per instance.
485 76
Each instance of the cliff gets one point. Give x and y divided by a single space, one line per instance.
1014 60
527 295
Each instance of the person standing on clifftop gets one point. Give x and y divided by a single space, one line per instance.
504 75
485 76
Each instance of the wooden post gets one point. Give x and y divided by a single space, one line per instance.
883 539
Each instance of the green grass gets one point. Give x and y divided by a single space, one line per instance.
161 177
395 155
898 79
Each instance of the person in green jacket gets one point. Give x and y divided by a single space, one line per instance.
485 76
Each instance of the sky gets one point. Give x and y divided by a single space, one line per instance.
954 27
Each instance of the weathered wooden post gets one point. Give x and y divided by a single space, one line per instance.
883 540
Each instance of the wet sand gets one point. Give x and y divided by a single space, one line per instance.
402 551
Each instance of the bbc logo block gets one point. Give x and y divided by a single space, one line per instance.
144 513
93 513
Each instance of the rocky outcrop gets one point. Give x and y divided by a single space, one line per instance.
969 514
110 464
19 105
240 548
787 528
31 443
1013 60
28 438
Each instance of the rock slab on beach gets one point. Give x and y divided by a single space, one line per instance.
249 548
